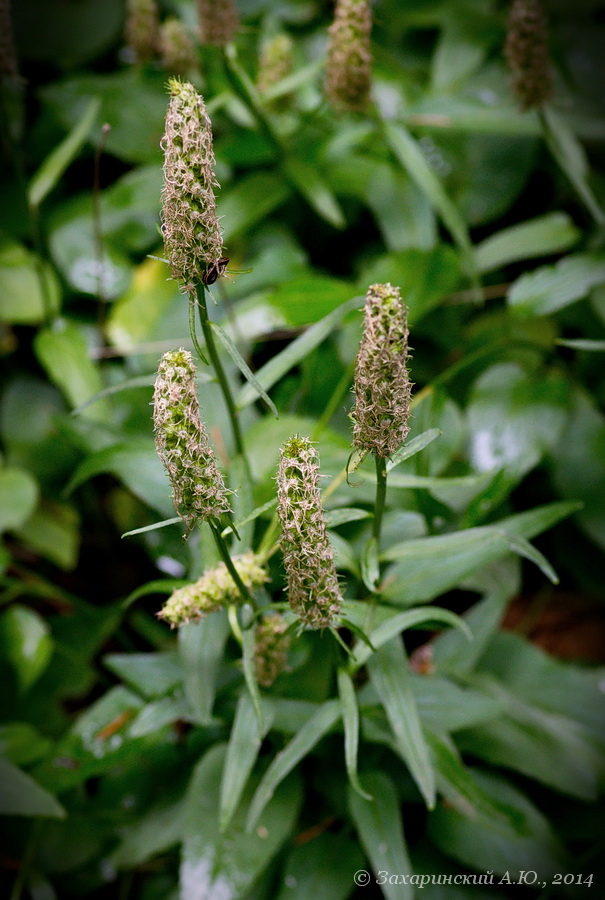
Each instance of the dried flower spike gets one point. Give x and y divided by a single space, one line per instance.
270 648
218 21
382 386
275 62
349 66
176 48
313 589
213 591
192 235
141 30
198 489
526 52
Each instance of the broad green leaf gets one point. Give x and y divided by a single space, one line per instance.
160 713
250 201
460 50
456 492
302 743
380 829
390 676
20 795
18 497
63 352
242 751
314 189
344 514
455 654
62 156
322 869
551 233
243 367
307 298
26 643
401 209
201 650
297 351
550 288
496 845
412 159
161 828
139 310
412 447
151 674
22 744
53 531
229 863
29 289
350 718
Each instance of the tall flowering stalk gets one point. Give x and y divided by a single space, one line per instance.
215 590
349 66
218 21
313 589
198 488
190 225
526 52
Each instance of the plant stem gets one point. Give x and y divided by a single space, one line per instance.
381 491
224 552
194 339
337 395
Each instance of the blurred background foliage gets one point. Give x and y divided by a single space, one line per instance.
491 222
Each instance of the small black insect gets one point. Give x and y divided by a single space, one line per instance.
215 270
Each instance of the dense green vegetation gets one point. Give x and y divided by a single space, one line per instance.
415 736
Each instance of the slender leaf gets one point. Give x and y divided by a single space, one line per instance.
201 650
156 525
244 368
315 190
370 569
248 637
350 718
551 233
20 795
412 447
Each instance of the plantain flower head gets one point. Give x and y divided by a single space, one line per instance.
198 489
349 65
526 52
190 226
270 648
176 48
215 590
141 30
313 590
218 21
382 385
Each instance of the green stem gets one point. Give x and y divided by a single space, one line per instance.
192 330
381 492
224 552
337 395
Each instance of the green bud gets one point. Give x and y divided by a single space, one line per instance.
218 21
198 489
313 589
526 52
215 590
382 386
349 66
141 30
270 648
176 48
192 235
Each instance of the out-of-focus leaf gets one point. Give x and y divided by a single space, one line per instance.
18 497
201 649
551 233
550 288
322 868
135 314
390 676
380 829
453 653
151 674
159 713
315 190
26 643
63 352
401 209
243 366
29 290
244 744
350 718
307 298
62 156
370 569
20 795
161 828
583 344
21 743
53 531
250 201
67 35
460 50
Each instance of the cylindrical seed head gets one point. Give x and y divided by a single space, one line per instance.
192 234
313 589
218 21
349 65
270 648
382 385
215 590
176 48
141 30
526 52
198 489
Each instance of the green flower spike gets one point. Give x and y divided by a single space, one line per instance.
270 648
192 235
313 589
349 66
218 21
176 48
198 489
215 590
141 30
382 386
526 52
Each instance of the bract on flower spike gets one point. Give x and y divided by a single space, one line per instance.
349 65
190 225
382 385
270 648
215 590
313 589
526 52
218 21
198 489
142 28
176 48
